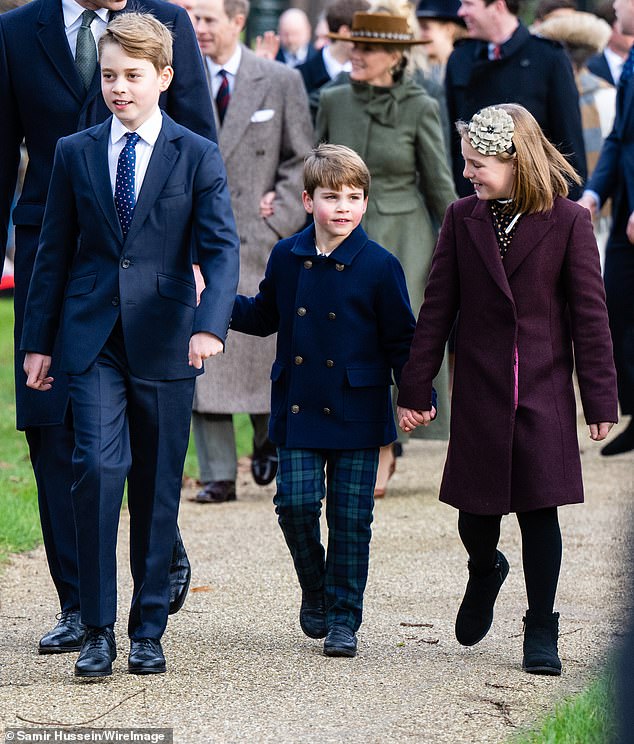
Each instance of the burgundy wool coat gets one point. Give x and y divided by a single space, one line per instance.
544 299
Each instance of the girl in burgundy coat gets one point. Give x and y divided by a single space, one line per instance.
519 262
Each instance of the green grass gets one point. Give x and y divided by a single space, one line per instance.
19 519
587 718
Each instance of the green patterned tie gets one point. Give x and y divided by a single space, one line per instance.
86 52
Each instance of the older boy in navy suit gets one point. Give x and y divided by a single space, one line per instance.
114 275
339 305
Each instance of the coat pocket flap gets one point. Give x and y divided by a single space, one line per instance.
276 371
176 289
28 214
175 190
81 285
368 376
397 203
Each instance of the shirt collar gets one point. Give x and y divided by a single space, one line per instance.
148 131
231 65
333 66
72 10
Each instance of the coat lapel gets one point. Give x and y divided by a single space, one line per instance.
480 228
96 155
159 168
250 89
52 37
531 230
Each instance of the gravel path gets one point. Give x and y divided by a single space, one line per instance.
240 670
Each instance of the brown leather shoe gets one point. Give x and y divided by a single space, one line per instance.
217 492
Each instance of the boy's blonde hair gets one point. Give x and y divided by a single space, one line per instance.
541 171
333 167
141 36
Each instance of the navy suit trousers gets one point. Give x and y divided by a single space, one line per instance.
134 429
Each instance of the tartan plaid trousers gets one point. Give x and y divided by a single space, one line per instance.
346 478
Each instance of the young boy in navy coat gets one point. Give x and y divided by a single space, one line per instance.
114 275
339 305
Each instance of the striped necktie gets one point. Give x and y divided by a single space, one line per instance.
223 96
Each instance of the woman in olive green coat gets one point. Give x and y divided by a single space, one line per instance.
395 127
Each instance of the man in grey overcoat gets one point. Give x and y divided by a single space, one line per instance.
264 132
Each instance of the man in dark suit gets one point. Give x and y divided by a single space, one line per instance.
294 32
129 198
614 176
502 62
609 63
43 97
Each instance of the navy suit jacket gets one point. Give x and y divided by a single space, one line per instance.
598 65
42 98
614 173
87 273
313 72
343 324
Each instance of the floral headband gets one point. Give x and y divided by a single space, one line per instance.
491 131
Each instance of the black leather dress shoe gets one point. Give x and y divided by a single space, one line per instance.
264 463
98 651
340 641
312 615
146 657
180 575
66 636
217 492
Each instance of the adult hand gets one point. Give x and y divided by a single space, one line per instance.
202 346
266 204
589 203
36 367
629 230
599 432
267 45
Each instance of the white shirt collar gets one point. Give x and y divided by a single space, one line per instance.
148 131
231 65
72 10
333 66
615 63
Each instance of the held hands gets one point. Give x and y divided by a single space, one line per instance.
409 419
201 347
599 432
36 367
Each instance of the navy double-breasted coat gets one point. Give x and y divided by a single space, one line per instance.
541 304
344 326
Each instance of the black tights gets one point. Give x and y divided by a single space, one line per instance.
541 551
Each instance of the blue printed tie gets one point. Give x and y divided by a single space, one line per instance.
124 197
628 68
222 96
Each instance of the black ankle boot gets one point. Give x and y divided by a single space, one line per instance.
540 644
476 611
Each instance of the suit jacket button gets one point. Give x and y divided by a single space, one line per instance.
125 264
327 411
329 363
339 267
115 301
299 360
332 316
301 311
295 409
308 264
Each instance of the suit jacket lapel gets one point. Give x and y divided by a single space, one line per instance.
250 88
96 155
159 168
52 36
530 231
480 228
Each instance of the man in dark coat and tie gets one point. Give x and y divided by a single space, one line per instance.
49 88
614 176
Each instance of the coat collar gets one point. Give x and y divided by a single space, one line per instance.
345 253
159 168
382 104
52 37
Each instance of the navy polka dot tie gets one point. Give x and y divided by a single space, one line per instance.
124 197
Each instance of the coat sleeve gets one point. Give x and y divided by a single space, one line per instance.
216 244
188 98
58 241
589 323
296 142
435 181
259 315
11 135
435 320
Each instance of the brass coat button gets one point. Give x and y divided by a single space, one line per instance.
327 411
332 316
308 264
299 360
301 311
295 409
339 267
329 363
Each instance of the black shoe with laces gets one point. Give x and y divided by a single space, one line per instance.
98 651
66 636
146 656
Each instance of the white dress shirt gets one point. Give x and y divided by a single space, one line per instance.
333 67
615 63
230 66
72 21
148 133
